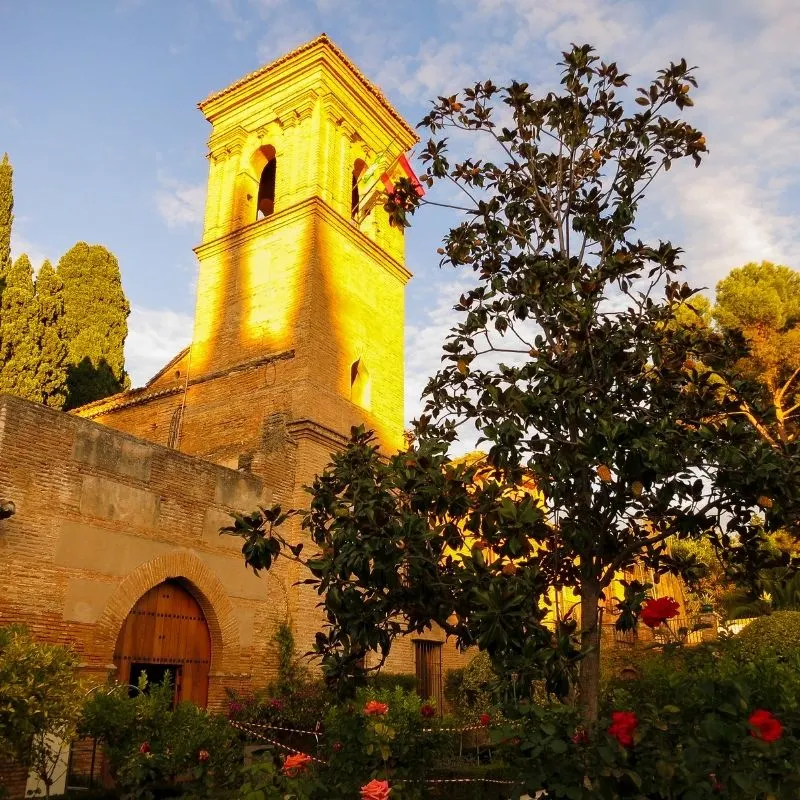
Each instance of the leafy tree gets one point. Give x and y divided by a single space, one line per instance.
20 331
51 373
40 697
95 322
6 214
597 400
761 304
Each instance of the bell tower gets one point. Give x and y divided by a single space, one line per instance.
291 265
299 324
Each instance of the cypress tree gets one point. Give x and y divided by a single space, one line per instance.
20 333
6 217
95 323
52 367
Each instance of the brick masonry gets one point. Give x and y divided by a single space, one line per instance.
132 490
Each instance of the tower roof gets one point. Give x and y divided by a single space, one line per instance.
323 42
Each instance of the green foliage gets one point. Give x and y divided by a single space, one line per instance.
6 215
393 746
357 748
51 373
696 745
761 295
294 700
95 323
568 360
471 690
759 304
20 333
32 348
694 313
40 696
386 681
151 744
264 780
777 634
292 673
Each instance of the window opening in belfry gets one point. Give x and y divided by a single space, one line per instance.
355 197
360 385
266 190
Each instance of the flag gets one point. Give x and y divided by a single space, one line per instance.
400 168
378 179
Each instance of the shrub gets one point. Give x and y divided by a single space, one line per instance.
689 730
294 700
777 634
381 681
151 745
40 696
382 741
470 690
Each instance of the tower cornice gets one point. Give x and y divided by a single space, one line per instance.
305 59
310 208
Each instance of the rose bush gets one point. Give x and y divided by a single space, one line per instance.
150 745
701 722
372 745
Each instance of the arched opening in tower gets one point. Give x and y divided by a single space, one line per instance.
266 190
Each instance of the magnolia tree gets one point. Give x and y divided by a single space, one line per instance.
570 362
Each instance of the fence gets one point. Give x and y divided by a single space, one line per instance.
733 626
689 630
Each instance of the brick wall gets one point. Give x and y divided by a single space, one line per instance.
102 517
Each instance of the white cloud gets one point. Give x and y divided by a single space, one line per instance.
180 203
231 14
155 336
286 29
424 341
36 253
737 207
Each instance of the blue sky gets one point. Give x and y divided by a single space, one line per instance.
98 113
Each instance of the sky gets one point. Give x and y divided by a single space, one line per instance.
98 114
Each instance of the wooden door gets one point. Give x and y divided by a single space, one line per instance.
428 662
166 633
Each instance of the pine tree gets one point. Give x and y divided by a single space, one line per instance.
6 215
20 333
95 323
52 367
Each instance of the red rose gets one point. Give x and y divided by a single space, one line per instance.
203 755
338 747
295 764
623 726
485 719
376 709
428 711
580 737
144 748
765 726
657 612
376 790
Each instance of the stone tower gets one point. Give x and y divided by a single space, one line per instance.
298 330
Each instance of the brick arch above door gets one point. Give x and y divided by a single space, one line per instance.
204 586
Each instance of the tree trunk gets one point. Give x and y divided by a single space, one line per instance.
589 676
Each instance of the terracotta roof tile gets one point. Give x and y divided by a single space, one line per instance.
321 39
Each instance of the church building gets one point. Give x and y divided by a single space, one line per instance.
114 544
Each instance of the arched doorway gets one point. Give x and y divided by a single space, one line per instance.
166 633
